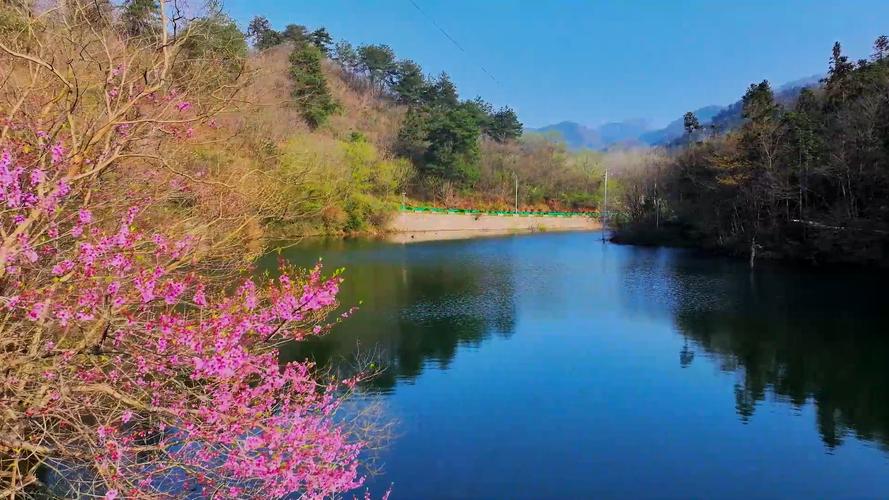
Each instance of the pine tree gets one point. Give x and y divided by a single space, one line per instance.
321 38
881 48
141 17
408 83
504 125
310 89
262 34
691 123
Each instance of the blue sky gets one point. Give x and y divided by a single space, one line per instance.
598 61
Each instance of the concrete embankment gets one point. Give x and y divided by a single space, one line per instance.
413 226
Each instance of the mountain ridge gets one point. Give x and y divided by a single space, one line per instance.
635 132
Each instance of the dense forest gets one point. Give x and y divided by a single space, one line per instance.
803 180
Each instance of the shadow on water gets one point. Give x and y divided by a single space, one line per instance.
793 335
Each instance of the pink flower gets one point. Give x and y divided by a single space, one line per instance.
183 106
57 152
37 176
62 267
145 284
84 216
36 311
199 297
173 291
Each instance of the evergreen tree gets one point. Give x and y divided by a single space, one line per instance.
310 89
481 112
260 31
453 151
141 17
442 92
412 140
408 83
690 123
838 73
216 40
378 63
321 38
296 33
504 125
881 48
762 121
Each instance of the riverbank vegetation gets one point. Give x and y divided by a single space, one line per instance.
807 180
138 177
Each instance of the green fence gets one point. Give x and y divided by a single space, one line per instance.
526 213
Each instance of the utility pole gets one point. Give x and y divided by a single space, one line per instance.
605 211
516 191
657 199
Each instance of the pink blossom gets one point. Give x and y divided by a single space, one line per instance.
62 267
37 176
199 297
84 216
57 152
173 291
36 311
245 425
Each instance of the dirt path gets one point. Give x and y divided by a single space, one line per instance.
414 227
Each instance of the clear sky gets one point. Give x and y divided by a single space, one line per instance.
598 61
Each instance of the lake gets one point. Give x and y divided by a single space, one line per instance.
556 365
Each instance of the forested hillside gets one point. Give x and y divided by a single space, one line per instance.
806 178
375 125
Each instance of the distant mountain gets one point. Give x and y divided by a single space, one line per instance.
623 132
577 136
636 133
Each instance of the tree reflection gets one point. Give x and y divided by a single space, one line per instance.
798 335
414 311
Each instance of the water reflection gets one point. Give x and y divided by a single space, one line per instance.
414 309
790 335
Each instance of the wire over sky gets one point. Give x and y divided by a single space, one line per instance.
450 38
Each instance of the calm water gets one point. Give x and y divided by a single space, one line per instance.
555 365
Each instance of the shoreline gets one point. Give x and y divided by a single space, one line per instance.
412 227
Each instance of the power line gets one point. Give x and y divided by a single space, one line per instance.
450 38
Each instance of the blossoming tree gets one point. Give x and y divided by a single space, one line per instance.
126 370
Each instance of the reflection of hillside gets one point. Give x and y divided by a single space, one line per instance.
415 309
799 336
